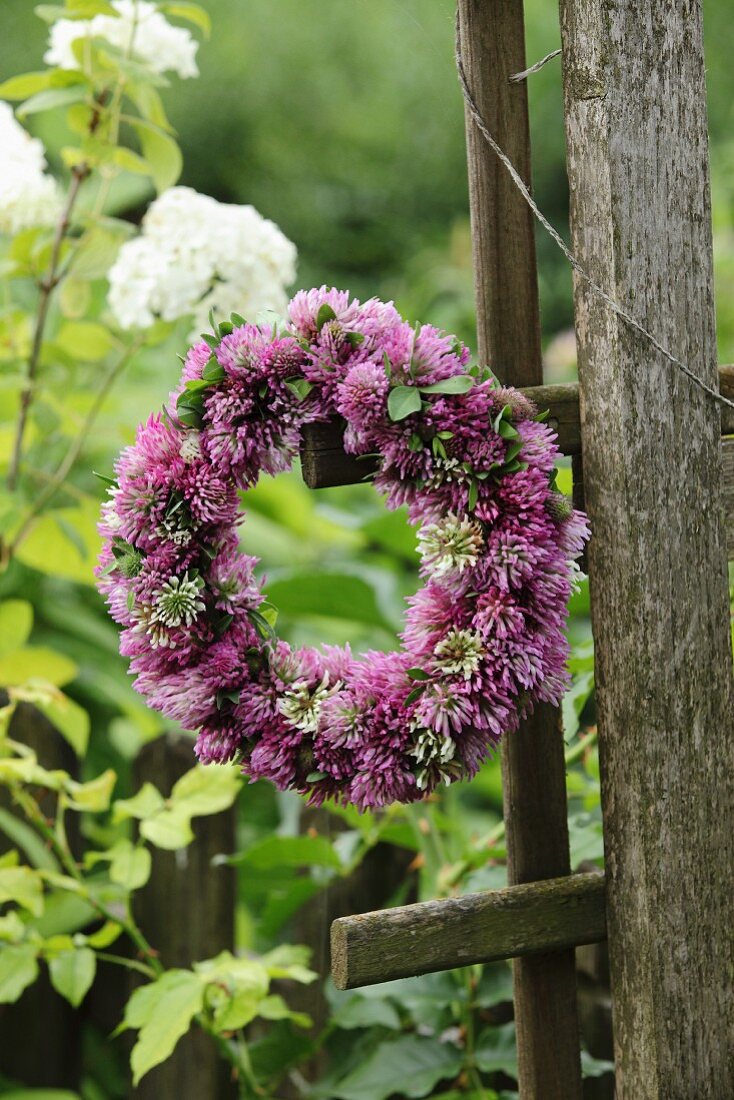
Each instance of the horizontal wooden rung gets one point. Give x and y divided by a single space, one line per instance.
535 918
325 463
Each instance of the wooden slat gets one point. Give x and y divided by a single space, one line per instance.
492 47
553 915
635 97
728 494
324 462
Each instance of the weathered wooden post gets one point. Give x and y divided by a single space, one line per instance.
187 911
638 168
508 323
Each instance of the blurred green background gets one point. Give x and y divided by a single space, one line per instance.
343 123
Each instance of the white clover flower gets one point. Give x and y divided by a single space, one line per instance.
138 28
459 653
450 545
28 196
146 622
302 707
195 254
435 752
178 601
190 448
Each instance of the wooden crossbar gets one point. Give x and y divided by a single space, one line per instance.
324 462
535 918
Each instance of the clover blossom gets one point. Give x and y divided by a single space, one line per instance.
178 601
450 545
459 653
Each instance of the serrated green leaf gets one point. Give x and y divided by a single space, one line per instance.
163 1012
130 161
275 1008
72 973
71 720
93 796
418 674
402 401
18 970
16 623
206 790
169 829
24 886
130 865
49 549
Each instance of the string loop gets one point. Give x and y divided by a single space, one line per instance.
575 263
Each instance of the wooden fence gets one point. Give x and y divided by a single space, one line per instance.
647 453
658 483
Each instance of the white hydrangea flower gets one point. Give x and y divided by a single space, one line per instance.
450 545
28 196
459 653
195 254
302 707
138 28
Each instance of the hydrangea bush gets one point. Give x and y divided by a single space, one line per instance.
83 291
483 640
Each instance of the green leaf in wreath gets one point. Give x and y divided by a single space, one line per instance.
458 383
402 401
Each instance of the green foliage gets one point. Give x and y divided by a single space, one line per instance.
338 565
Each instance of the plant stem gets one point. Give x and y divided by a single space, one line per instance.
129 964
47 286
127 923
57 479
494 835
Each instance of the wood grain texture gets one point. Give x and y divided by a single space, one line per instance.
325 463
477 928
503 242
324 459
727 464
508 332
187 911
41 1037
638 169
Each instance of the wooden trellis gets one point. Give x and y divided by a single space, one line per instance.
652 481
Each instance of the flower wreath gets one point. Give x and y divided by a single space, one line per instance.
484 637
